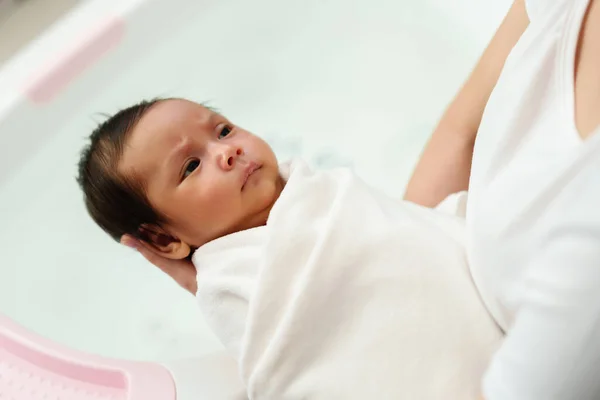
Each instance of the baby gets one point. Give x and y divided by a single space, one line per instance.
177 175
319 286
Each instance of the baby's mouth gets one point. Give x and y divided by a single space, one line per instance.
249 169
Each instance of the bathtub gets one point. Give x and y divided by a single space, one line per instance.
359 83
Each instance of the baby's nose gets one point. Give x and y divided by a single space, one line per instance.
229 157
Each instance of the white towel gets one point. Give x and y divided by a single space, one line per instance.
347 294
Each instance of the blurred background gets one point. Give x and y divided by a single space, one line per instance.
22 20
359 83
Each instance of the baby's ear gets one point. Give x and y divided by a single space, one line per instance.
157 240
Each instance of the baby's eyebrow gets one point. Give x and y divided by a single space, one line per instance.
211 119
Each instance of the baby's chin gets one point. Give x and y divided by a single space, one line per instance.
267 194
270 194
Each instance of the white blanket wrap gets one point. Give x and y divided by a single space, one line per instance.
347 294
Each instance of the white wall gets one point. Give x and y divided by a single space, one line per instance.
359 83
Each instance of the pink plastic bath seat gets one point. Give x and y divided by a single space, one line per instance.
34 368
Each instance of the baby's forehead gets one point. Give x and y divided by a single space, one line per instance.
169 113
158 132
169 121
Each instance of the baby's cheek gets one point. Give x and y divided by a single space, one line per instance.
218 204
259 149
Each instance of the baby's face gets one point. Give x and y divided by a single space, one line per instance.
206 175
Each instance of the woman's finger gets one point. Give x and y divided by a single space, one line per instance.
129 241
161 262
182 271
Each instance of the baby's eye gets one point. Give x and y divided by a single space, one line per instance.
190 167
226 130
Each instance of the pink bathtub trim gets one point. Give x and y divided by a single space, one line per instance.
97 376
32 366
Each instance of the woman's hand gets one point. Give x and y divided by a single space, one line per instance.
182 271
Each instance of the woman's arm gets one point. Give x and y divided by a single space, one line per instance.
445 165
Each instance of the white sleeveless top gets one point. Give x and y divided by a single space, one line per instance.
533 217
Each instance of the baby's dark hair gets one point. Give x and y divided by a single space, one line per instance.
117 203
